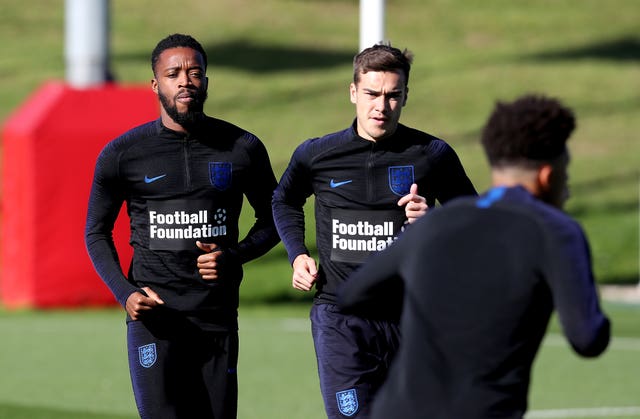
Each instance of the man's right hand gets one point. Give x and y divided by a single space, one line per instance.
138 303
305 272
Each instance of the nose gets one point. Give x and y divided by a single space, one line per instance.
184 79
381 103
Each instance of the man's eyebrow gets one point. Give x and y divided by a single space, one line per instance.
179 67
378 92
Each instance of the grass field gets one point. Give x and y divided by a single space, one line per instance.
71 365
281 69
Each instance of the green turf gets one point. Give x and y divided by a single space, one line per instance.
72 364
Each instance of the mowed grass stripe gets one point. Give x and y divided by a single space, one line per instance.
592 412
616 343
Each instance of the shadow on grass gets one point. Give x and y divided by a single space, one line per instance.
249 56
590 187
15 411
632 279
253 57
607 207
623 49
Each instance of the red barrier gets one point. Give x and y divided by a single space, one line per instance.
50 145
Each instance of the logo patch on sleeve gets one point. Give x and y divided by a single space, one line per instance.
147 355
347 402
220 174
400 179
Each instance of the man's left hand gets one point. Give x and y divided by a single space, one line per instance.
415 206
209 263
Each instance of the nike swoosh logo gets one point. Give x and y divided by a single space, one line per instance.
153 179
335 184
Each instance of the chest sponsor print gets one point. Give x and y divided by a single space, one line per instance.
177 224
356 234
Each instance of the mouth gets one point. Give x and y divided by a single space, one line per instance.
379 120
185 97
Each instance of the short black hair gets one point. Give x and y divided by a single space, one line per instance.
176 40
528 131
382 57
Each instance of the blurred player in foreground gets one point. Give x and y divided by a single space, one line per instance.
482 276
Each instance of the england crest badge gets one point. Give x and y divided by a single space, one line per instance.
400 179
220 174
147 355
347 402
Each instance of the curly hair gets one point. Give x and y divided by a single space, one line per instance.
176 40
382 57
530 130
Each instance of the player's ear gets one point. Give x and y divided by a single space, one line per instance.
154 85
544 176
353 89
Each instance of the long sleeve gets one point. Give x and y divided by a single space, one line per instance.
105 202
452 180
575 295
288 205
263 235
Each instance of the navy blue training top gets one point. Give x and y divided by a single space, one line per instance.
481 277
180 188
357 184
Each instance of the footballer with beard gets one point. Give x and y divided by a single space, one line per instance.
183 178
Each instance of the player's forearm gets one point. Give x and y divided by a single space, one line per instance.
595 342
289 221
105 260
262 237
